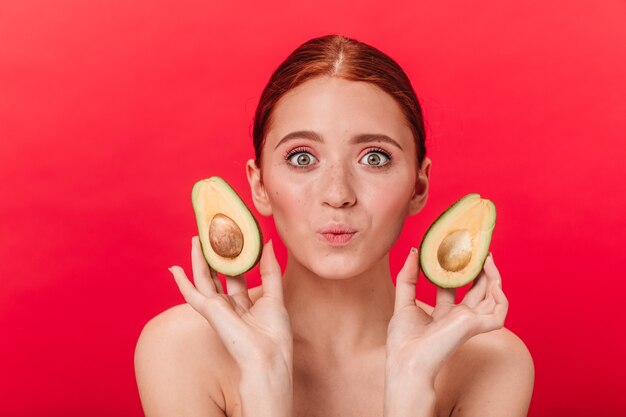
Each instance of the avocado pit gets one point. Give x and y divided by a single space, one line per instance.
225 236
455 251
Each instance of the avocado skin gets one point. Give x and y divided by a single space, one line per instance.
243 204
422 259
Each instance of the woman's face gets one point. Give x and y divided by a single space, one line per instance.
355 165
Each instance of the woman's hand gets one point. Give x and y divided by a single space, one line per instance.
256 334
420 343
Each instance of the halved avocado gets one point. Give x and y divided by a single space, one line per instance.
230 235
455 246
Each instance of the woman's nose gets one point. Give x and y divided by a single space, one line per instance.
337 188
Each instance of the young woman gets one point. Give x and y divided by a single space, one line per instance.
339 143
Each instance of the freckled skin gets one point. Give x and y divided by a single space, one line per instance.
329 291
340 300
340 185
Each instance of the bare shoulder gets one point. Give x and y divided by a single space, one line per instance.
492 374
498 375
179 361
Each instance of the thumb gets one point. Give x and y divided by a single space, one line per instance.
406 281
271 275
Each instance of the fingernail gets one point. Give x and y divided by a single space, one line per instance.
170 269
490 254
413 249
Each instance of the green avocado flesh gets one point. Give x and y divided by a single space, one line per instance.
229 233
455 246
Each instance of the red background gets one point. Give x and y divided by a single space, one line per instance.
111 110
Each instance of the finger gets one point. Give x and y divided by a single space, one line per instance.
236 284
446 296
192 296
492 272
487 305
242 300
201 274
216 280
271 275
497 318
237 288
215 309
406 281
477 293
502 303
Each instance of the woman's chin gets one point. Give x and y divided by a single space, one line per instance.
338 268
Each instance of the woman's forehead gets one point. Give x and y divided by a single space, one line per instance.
338 109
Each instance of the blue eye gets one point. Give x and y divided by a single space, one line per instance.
302 158
373 158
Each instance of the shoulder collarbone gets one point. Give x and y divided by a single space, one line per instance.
179 362
494 375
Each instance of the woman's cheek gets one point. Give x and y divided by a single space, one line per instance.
290 216
391 214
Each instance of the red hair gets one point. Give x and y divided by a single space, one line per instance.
339 56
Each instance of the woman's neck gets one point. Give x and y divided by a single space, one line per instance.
338 317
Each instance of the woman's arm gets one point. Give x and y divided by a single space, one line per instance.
179 364
407 393
267 390
256 335
419 344
499 381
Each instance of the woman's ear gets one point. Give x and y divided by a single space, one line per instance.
259 195
420 193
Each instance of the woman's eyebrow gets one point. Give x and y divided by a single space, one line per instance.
374 137
361 138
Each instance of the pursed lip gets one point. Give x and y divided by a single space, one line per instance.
337 228
337 234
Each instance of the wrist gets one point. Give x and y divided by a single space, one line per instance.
278 371
410 404
408 393
410 378
266 391
269 382
413 372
